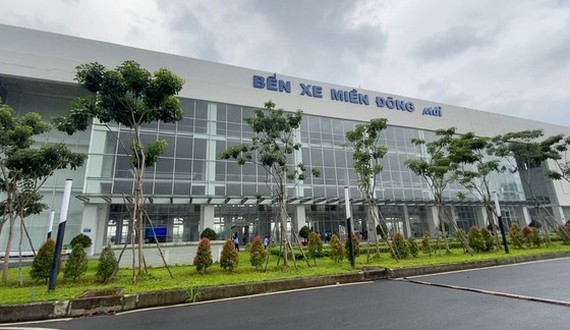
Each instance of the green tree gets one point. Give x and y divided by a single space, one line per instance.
82 239
413 246
229 257
401 249
107 266
476 239
516 235
24 168
203 258
436 166
368 152
337 250
273 141
426 244
314 246
355 245
209 233
76 264
129 96
257 253
474 169
43 262
526 153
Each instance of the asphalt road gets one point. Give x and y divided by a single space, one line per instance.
389 304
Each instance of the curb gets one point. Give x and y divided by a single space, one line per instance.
114 302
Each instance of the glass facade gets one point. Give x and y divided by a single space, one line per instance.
191 176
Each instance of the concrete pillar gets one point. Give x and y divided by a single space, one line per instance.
558 213
206 217
90 227
407 228
432 220
300 216
523 216
481 217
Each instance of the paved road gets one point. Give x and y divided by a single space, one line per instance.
390 304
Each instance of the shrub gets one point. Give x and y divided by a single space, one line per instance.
82 239
563 232
203 258
476 240
426 246
304 232
315 246
76 264
413 247
355 245
337 250
532 236
107 266
257 253
209 233
517 236
43 261
229 257
489 239
400 246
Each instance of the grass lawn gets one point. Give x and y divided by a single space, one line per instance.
186 277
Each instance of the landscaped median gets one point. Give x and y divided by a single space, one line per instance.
86 297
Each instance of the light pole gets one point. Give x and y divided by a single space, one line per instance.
500 220
60 233
349 226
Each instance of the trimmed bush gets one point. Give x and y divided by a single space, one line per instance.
517 236
355 245
476 240
76 264
426 246
413 247
203 258
107 266
304 232
315 247
209 233
400 246
489 239
337 250
82 239
257 253
43 262
532 236
229 257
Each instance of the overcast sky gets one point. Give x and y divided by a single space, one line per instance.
508 56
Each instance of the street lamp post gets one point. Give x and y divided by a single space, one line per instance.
500 220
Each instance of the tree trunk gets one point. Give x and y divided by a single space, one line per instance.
441 225
491 221
6 265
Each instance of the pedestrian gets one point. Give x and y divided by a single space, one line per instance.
265 242
236 243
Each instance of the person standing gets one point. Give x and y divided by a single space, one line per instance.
265 242
236 243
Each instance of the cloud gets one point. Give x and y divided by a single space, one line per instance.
487 55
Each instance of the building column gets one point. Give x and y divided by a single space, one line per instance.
407 228
523 216
558 213
432 220
206 218
90 227
481 216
